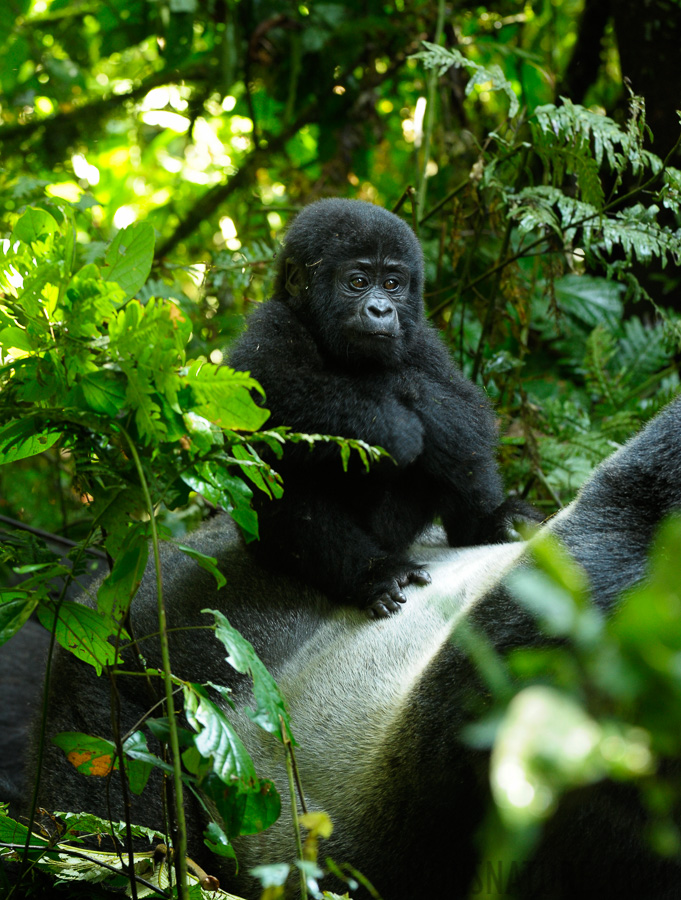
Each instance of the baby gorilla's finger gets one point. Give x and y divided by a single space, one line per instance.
417 575
420 576
386 603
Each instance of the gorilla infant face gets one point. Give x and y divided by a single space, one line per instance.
354 274
373 290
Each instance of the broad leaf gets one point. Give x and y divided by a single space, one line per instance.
209 563
20 439
216 738
15 609
120 586
97 757
130 257
83 632
103 392
270 706
35 225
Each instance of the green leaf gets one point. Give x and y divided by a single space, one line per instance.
20 439
550 744
90 824
96 757
216 738
209 563
270 705
215 483
595 301
217 841
113 510
245 803
15 338
120 586
243 811
12 832
103 392
35 225
130 256
138 761
90 755
83 632
202 432
223 396
15 609
492 77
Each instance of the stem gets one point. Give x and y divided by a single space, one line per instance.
115 725
492 303
450 196
288 751
180 823
430 115
43 713
407 192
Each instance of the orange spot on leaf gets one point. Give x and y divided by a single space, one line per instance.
90 762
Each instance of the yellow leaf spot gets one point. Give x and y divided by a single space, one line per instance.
91 762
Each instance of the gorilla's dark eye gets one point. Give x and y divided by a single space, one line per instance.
358 282
391 284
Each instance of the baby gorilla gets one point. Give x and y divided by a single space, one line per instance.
343 348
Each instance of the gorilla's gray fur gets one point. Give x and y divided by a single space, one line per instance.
377 707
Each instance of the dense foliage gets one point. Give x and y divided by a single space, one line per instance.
152 153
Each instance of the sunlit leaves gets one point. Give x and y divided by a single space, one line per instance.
222 395
34 225
21 439
635 231
547 743
491 78
601 703
130 256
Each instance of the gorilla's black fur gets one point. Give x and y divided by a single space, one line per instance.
378 708
343 348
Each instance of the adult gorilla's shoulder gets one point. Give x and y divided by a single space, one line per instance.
378 708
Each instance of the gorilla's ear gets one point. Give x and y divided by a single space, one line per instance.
296 280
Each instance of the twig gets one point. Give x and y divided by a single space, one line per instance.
181 826
288 751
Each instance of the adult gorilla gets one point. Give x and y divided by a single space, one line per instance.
377 707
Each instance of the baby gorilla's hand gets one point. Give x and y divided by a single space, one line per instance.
386 595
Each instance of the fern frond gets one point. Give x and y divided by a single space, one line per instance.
434 56
574 125
670 194
600 349
635 230
642 350
639 235
534 209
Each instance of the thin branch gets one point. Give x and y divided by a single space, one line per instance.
181 826
206 205
97 108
